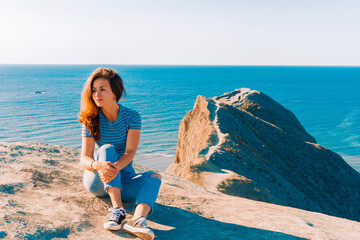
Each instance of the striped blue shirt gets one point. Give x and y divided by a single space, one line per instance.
115 133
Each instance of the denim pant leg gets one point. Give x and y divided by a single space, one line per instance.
91 179
143 188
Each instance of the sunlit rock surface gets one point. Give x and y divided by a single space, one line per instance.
245 144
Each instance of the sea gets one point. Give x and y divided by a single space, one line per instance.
40 103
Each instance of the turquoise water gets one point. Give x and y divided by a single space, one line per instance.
326 101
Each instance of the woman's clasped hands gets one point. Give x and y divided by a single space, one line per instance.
107 171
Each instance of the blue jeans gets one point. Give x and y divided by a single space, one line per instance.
141 187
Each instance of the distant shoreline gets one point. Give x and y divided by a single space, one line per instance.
162 161
152 160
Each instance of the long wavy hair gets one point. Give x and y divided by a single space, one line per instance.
89 112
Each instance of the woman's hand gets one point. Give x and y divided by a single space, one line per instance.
107 171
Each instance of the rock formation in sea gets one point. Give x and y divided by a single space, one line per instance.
245 144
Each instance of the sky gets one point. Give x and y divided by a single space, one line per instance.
183 32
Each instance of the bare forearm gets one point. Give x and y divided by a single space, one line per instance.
125 159
88 163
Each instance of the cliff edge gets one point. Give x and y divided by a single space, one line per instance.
42 197
245 144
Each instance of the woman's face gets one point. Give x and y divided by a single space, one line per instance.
102 93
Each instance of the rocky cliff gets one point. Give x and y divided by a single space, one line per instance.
245 144
42 197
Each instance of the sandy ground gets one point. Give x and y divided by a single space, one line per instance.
42 197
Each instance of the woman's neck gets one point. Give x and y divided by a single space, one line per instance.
111 112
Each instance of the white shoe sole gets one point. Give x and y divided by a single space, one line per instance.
146 234
115 227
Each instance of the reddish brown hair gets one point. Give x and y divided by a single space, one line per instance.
89 112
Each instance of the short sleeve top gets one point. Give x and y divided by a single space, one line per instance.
115 133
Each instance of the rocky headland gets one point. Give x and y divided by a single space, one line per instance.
242 152
42 197
245 144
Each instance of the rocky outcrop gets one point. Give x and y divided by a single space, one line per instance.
42 197
245 144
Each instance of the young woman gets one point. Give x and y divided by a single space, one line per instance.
115 130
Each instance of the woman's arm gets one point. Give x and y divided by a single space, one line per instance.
87 152
107 170
132 142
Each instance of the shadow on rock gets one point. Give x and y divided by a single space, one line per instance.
188 225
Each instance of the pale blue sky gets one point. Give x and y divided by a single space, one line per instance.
286 32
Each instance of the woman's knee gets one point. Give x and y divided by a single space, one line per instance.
107 148
107 152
